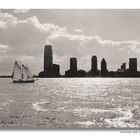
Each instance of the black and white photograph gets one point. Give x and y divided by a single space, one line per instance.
69 69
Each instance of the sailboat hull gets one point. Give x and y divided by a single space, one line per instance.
22 81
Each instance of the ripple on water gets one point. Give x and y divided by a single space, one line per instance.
86 102
122 119
117 117
5 103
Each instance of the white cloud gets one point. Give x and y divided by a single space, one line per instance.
19 11
7 20
3 48
46 27
7 17
73 37
79 30
83 39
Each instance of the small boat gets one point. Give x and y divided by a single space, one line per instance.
22 74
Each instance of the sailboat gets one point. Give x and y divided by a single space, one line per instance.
22 74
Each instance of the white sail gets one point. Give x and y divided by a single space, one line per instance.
16 72
24 73
29 75
21 74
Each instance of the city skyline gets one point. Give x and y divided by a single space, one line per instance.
53 70
109 34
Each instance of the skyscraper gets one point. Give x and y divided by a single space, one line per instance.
94 70
73 64
72 72
94 63
48 58
50 69
133 65
103 67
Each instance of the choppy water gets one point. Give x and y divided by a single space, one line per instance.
71 103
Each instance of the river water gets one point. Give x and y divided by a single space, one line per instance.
70 103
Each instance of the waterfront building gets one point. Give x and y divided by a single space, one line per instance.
50 69
48 58
94 63
133 65
104 70
72 72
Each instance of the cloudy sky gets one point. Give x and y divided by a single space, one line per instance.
110 34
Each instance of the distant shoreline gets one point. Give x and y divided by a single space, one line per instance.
71 77
5 76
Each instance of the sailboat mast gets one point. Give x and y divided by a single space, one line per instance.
21 69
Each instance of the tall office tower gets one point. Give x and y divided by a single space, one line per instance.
50 69
73 64
94 64
103 66
132 65
48 58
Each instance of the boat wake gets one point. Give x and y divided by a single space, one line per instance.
120 118
37 106
110 118
126 121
